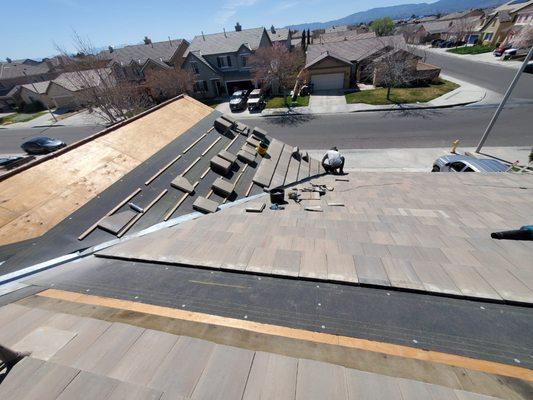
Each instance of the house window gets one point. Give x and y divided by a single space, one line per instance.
200 86
224 61
488 36
194 68
244 60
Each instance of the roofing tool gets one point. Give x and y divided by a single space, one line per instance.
135 207
524 233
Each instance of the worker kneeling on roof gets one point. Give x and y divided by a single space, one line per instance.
333 162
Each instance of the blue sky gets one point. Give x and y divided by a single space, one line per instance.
34 26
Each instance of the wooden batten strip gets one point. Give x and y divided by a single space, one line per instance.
167 166
211 146
111 212
190 166
194 143
175 207
138 216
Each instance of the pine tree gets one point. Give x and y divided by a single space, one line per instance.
303 40
308 36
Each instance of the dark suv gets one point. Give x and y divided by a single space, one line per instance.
238 100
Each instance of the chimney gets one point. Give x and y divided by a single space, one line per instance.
225 33
147 40
272 29
8 60
111 49
203 36
238 27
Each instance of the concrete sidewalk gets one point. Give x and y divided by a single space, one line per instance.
484 58
81 118
415 160
466 94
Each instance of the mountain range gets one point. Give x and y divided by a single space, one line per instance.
402 11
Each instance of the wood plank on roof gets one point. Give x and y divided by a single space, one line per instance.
215 384
87 331
88 386
47 383
318 380
128 391
366 385
107 351
272 377
142 359
179 372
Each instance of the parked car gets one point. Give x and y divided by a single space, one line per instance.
463 163
501 48
8 161
529 67
436 42
238 100
42 145
255 100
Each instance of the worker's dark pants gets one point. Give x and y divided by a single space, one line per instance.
332 170
8 356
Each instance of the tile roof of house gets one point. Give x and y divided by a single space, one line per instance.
140 53
16 70
344 35
513 6
326 55
226 42
354 50
37 87
437 26
457 15
279 34
339 28
75 81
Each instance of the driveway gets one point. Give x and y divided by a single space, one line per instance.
327 101
224 108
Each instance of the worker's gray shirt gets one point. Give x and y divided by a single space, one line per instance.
333 159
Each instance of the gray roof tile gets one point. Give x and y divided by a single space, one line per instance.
228 42
140 53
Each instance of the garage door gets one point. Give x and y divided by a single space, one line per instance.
328 81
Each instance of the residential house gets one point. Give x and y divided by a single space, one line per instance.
67 91
340 65
334 29
412 33
499 24
131 62
219 60
477 13
280 35
524 18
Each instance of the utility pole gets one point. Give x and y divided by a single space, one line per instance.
504 100
45 104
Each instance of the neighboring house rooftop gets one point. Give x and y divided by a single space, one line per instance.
513 6
37 87
345 35
17 69
435 27
458 15
278 34
161 52
226 42
339 28
354 50
75 81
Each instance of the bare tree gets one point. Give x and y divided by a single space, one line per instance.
524 39
395 69
277 66
463 27
166 84
96 86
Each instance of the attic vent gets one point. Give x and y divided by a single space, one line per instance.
147 40
238 27
111 49
272 29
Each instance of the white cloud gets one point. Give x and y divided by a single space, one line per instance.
230 8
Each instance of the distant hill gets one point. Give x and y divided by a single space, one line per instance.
403 11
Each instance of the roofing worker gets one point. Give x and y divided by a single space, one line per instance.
333 162
10 357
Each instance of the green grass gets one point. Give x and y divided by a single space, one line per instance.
11 119
402 95
477 49
278 102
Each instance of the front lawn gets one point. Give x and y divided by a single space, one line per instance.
477 49
278 102
20 117
402 95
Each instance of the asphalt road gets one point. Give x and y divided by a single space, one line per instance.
11 139
404 129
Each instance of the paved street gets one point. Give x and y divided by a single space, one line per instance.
423 128
11 139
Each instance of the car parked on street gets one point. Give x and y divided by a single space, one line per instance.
501 48
256 100
238 100
42 145
529 67
464 163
